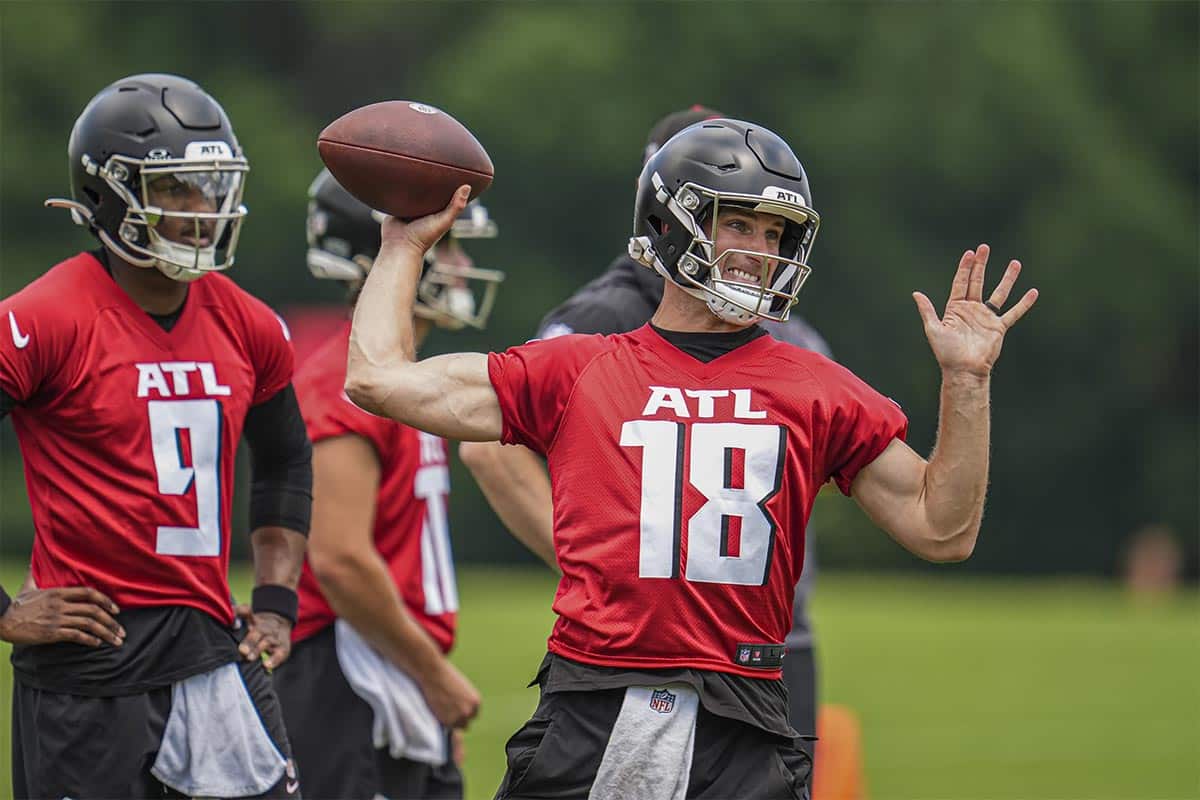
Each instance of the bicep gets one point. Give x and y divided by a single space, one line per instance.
346 475
449 395
890 490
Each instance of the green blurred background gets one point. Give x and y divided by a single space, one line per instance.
1063 134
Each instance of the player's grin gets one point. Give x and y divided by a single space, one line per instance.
742 276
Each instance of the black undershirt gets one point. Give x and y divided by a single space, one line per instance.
163 644
706 347
758 702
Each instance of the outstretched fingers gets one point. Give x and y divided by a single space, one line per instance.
1000 293
1015 313
929 315
978 271
958 288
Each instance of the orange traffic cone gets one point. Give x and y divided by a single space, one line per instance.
839 773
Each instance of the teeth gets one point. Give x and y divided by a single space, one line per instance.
742 275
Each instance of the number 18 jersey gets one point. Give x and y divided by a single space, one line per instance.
682 489
129 432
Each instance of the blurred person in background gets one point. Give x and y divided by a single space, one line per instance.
131 372
622 299
369 695
685 458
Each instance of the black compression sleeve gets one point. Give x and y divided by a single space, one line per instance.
281 464
7 403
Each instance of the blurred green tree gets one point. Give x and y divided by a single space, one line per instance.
1064 137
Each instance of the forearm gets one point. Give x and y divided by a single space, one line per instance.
955 481
450 395
382 336
278 556
515 483
360 590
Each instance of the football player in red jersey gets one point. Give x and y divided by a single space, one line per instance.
130 373
685 457
369 694
514 478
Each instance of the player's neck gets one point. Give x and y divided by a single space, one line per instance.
680 311
153 292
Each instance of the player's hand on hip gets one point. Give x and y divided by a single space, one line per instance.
70 614
269 639
968 336
451 697
423 233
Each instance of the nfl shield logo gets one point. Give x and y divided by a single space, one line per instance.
744 655
662 701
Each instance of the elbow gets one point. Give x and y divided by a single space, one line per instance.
951 553
334 571
479 457
952 549
363 389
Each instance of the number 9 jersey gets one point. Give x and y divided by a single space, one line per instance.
129 432
682 489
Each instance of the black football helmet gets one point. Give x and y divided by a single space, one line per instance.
344 238
142 141
708 165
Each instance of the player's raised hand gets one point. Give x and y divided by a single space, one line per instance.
268 635
70 614
423 233
451 697
969 335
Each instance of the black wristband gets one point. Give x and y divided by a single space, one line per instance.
5 601
276 599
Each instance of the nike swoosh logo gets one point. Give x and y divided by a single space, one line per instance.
19 339
292 786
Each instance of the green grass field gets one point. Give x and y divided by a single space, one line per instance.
966 688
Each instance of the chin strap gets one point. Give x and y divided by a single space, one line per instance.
641 251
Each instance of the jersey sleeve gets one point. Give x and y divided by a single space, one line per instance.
271 351
533 383
36 338
861 423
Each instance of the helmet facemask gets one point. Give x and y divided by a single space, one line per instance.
177 199
707 275
454 295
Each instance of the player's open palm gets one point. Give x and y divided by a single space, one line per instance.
70 614
969 335
451 697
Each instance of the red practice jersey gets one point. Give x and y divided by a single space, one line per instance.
681 489
129 432
411 526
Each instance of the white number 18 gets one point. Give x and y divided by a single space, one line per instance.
709 558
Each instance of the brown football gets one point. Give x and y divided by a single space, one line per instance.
404 158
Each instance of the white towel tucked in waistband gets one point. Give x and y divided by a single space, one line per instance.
649 753
404 723
214 744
